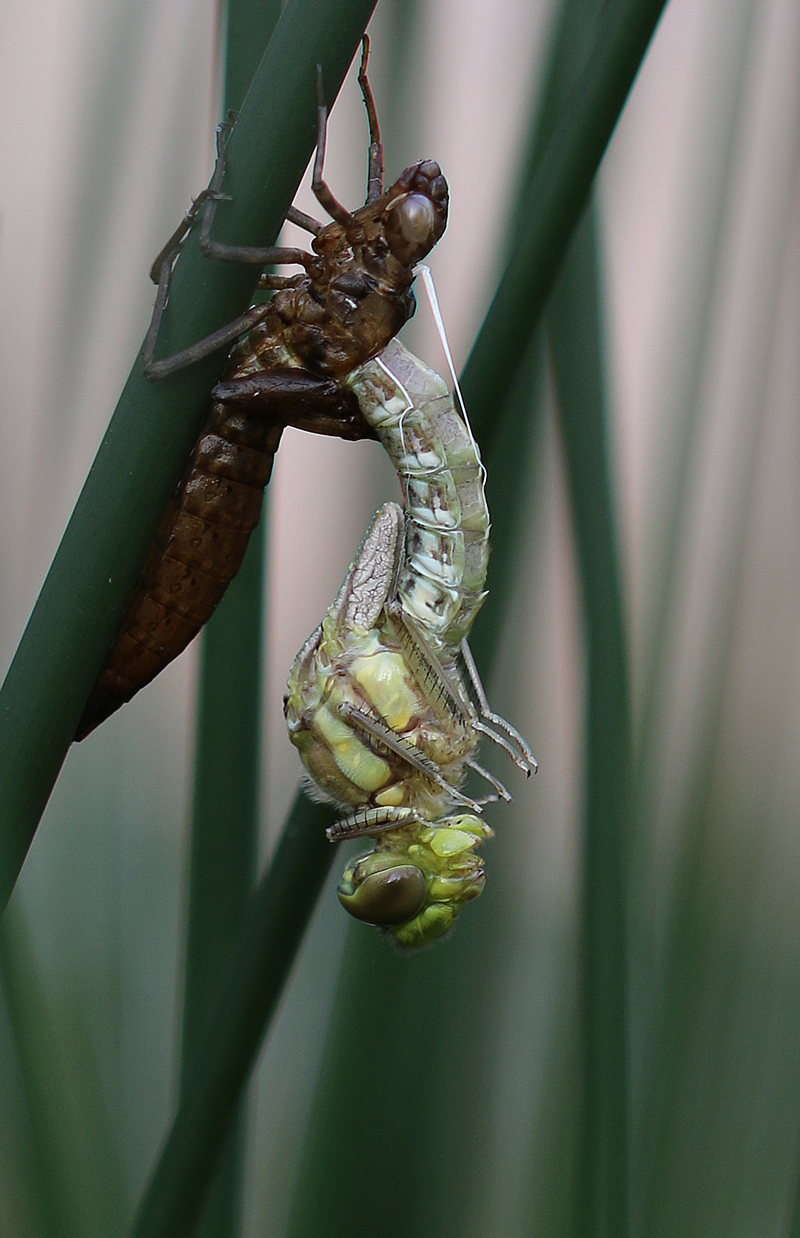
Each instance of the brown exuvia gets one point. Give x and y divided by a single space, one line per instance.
290 367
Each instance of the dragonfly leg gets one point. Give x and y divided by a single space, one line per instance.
255 255
375 172
381 733
298 398
445 691
486 712
161 273
154 370
367 822
308 222
321 191
173 246
490 778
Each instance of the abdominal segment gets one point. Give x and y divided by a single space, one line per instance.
367 672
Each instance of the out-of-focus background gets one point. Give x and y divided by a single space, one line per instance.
108 113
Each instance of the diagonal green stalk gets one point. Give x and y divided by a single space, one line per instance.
75 1169
35 1044
240 1017
555 201
574 29
224 835
576 351
146 445
224 831
256 973
601 1204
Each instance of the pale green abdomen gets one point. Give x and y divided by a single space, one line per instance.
440 585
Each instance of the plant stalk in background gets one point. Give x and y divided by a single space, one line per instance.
224 834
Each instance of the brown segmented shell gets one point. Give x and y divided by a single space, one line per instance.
203 535
196 552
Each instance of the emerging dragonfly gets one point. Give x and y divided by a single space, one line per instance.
291 366
377 700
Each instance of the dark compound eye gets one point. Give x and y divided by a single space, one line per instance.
411 227
389 897
415 218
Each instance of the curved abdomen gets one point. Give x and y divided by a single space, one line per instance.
440 584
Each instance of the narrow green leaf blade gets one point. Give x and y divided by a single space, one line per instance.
576 350
558 194
224 837
270 937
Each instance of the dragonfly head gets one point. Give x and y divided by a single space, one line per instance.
416 212
366 268
417 879
385 239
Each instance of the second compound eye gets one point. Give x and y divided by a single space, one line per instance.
392 896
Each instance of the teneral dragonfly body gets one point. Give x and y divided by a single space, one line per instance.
377 702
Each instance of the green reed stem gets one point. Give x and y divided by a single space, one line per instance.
224 828
576 350
224 836
224 1055
224 833
151 433
557 196
35 1044
73 1163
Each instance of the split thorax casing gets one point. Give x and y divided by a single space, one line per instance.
356 292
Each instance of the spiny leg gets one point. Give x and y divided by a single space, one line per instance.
165 262
502 742
489 714
377 730
493 782
428 671
442 687
375 172
367 822
321 191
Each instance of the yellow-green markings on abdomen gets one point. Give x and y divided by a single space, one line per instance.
384 678
364 768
